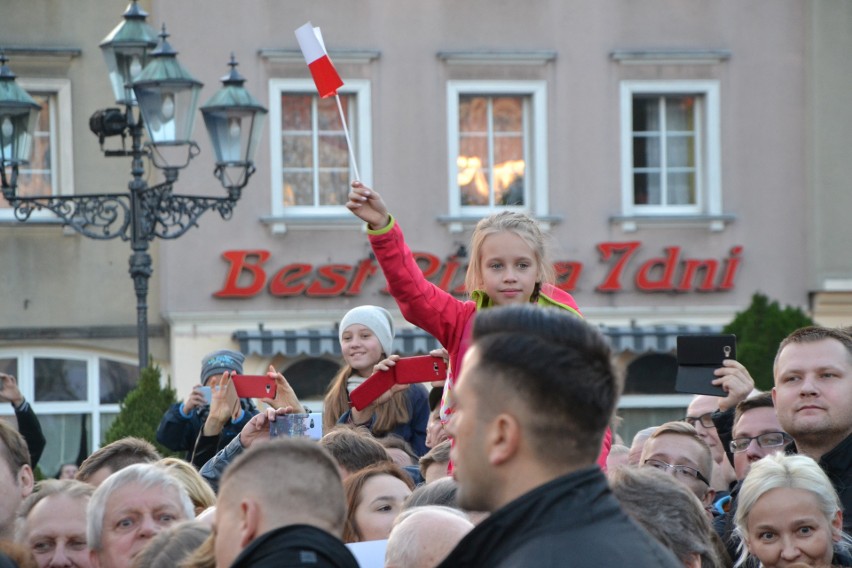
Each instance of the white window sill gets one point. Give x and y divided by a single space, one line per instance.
632 223
281 224
460 223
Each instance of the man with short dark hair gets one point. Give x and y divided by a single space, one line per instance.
536 393
16 477
813 401
116 456
281 503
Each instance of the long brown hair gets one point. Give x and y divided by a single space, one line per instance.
336 403
354 485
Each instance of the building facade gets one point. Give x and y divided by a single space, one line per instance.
681 157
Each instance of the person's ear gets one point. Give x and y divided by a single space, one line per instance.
94 560
503 439
837 526
709 497
250 520
26 480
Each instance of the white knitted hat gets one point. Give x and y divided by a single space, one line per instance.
377 319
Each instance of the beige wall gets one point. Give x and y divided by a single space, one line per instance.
782 127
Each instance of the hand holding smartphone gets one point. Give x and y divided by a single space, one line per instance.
409 370
207 393
254 386
698 356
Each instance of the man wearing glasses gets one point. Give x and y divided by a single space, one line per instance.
756 434
677 449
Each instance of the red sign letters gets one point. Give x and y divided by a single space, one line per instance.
672 272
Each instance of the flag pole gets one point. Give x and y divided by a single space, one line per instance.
348 140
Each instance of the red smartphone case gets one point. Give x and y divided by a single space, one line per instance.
254 386
420 369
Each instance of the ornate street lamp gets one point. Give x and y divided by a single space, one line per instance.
18 117
167 97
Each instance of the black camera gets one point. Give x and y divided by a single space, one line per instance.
107 122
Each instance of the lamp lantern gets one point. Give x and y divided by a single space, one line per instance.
168 97
18 117
126 50
234 120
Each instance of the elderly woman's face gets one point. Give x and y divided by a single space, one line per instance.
787 526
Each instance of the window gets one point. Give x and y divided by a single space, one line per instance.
75 396
311 165
497 139
670 148
50 171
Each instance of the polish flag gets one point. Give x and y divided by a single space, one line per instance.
325 75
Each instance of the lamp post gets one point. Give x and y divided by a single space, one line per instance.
167 98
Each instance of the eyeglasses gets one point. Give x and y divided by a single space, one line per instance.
767 440
682 471
706 420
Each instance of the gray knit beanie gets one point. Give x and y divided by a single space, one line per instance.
220 361
377 319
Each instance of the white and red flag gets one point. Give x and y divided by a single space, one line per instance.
322 70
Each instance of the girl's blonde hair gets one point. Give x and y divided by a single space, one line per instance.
336 403
200 493
515 222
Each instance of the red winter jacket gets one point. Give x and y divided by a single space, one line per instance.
439 313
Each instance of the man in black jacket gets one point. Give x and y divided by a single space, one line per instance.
813 401
535 394
281 504
28 424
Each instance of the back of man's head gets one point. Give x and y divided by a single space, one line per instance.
116 456
292 481
354 448
557 368
422 537
670 512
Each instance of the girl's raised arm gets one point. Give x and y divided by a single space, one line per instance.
368 205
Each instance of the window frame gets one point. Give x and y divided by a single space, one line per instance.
361 88
708 142
535 144
26 383
61 147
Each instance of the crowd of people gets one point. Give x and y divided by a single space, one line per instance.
512 461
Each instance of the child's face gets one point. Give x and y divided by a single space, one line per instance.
508 267
360 348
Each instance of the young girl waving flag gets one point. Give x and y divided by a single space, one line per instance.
508 265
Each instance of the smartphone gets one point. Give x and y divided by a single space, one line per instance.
420 369
697 357
409 370
254 386
297 425
206 392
